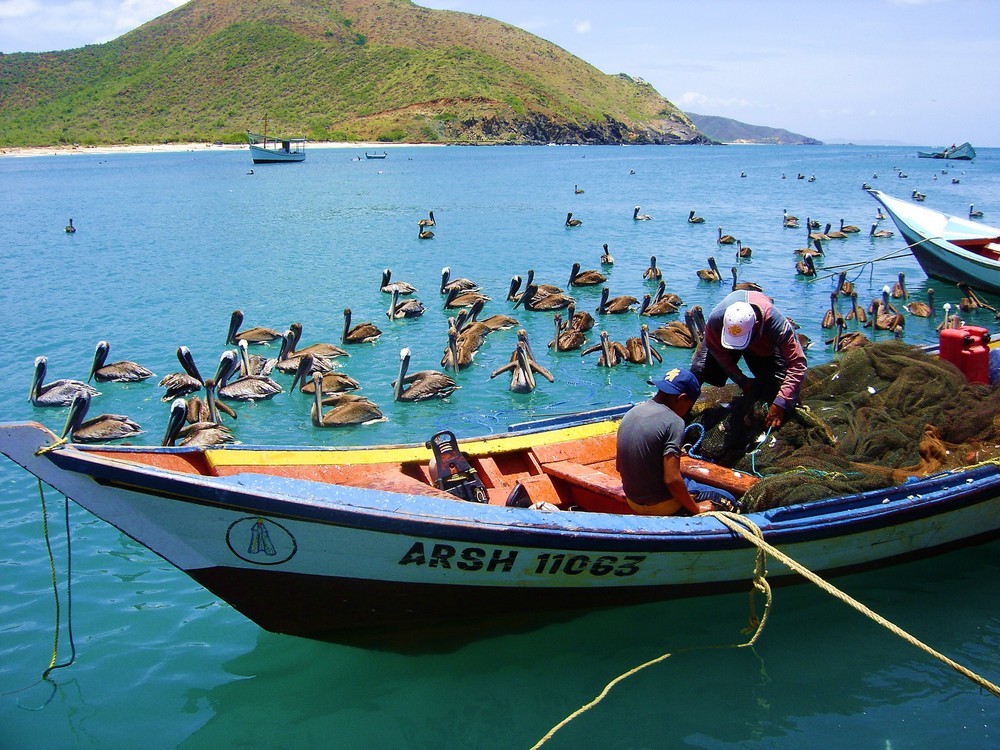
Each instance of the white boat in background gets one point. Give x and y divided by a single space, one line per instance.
265 149
965 152
947 247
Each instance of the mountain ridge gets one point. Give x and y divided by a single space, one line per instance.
727 130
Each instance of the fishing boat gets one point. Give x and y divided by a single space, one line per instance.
265 149
947 247
965 152
376 156
340 543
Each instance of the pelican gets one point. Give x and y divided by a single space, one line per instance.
388 285
70 229
814 250
585 278
899 288
711 273
880 233
254 364
457 298
199 433
682 335
565 340
639 351
208 410
182 383
805 267
834 234
246 388
346 408
725 239
522 368
879 215
921 309
789 221
577 189
692 219
612 352
857 312
582 321
973 214
571 222
317 350
833 314
885 317
424 234
971 300
461 351
104 427
636 216
535 299
606 257
470 315
428 222
462 285
744 285
421 385
330 382
289 360
615 305
662 306
843 342
741 251
123 371
542 288
58 392
848 228
411 308
811 235
844 286
256 335
652 273
362 333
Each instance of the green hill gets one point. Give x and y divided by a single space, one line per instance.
384 70
733 131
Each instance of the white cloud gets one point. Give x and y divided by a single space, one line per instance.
695 99
18 8
582 27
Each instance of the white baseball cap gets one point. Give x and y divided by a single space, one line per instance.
737 325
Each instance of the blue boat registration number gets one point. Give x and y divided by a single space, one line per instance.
474 559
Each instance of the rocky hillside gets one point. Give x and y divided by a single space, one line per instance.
386 70
733 131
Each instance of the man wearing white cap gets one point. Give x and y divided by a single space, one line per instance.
747 325
649 440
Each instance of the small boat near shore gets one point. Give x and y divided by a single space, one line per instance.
376 156
965 152
947 247
270 149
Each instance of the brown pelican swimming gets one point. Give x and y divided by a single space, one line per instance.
254 364
811 235
834 234
725 239
857 312
428 222
535 299
899 288
844 286
331 381
692 219
922 309
209 409
421 385
522 368
411 308
470 315
636 216
579 319
123 371
879 233
577 189
833 314
424 234
744 285
973 214
789 221
457 298
462 349
679 334
542 288
712 272
638 349
885 317
663 306
401 286
742 251
461 284
815 249
204 433
806 266
843 342
289 360
362 333
662 296
345 409
70 229
58 392
571 222
182 383
317 350
848 228
565 340
615 305
585 278
652 273
971 300
246 388
612 352
255 335
104 427
606 258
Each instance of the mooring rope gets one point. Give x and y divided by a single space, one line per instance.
55 588
747 529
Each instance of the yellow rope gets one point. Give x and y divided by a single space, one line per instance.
46 448
752 533
52 568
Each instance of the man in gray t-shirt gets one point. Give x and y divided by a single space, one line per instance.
650 437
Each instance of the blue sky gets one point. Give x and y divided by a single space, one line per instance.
918 72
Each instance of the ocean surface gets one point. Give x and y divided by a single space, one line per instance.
169 244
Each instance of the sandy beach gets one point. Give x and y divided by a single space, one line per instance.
151 148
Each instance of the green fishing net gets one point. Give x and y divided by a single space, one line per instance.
871 418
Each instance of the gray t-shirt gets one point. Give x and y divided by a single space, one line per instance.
648 432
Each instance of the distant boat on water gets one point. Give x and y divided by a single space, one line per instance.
376 156
965 152
265 149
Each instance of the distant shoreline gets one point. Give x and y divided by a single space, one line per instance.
151 148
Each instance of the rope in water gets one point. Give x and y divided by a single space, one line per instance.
55 588
747 529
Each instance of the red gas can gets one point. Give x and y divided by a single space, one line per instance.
967 349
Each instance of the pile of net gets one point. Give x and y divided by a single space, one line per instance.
872 418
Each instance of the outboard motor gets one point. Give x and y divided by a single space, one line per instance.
451 471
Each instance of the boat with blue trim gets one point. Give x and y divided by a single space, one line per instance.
965 152
340 543
270 149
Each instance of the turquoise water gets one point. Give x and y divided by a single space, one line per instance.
169 244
